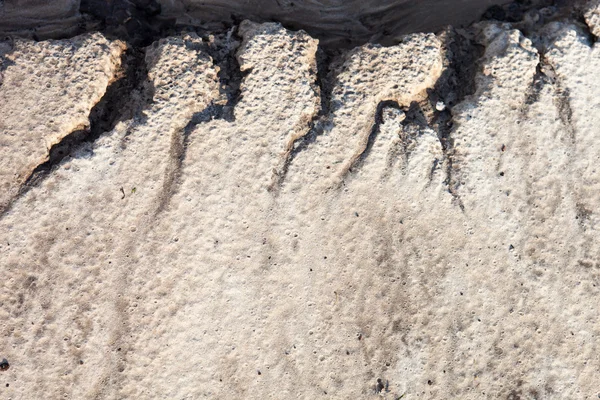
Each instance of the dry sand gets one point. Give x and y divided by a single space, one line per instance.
322 232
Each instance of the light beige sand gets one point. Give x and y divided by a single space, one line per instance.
47 90
218 260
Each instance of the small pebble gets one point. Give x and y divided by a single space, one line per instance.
440 106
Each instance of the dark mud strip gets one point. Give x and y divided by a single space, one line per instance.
336 23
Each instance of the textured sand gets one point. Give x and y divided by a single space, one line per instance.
295 249
47 91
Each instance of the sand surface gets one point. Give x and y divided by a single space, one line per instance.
265 219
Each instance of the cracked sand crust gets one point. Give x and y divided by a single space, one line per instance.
307 226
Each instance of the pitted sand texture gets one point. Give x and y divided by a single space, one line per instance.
47 90
330 238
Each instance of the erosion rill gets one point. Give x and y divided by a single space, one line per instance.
202 200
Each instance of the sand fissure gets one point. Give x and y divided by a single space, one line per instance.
456 258
325 78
